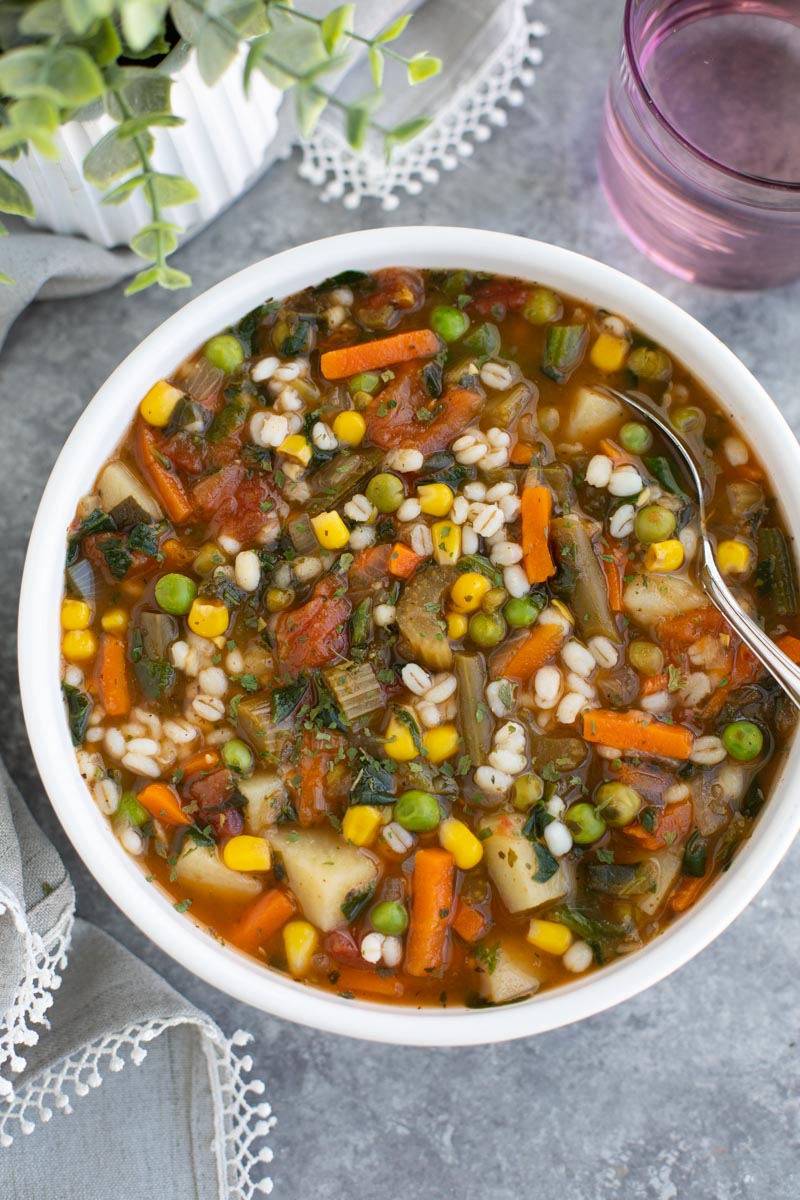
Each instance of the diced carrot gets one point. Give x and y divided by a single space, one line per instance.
167 486
202 760
264 917
679 632
468 922
612 451
112 677
163 802
521 455
351 979
611 569
404 561
744 668
790 645
748 471
431 910
670 826
687 891
537 504
652 684
637 731
372 356
534 651
176 555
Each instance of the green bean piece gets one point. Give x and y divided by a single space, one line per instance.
589 598
743 740
563 351
224 352
484 341
775 571
474 718
417 811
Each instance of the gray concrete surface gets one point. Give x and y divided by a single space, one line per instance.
689 1092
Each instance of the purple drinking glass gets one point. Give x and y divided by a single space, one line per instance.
700 151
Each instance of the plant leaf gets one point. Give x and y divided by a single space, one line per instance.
44 19
172 279
120 194
409 129
142 20
376 63
13 196
357 125
393 31
144 279
144 90
64 75
134 126
422 67
172 190
335 25
310 104
155 240
81 14
111 158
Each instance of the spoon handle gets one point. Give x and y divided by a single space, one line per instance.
776 662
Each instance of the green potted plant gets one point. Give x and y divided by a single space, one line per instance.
103 103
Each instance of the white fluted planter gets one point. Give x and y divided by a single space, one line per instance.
221 147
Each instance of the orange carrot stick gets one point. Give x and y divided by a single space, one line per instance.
521 455
537 504
404 561
469 923
671 826
201 760
790 645
540 645
112 677
431 909
611 570
652 684
163 803
372 356
637 731
612 451
687 892
351 979
167 486
264 917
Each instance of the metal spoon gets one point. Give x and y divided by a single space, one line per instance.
776 662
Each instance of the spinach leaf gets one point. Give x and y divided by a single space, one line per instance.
481 564
343 279
299 340
326 713
355 902
118 558
284 700
538 820
79 707
96 522
433 378
145 539
374 783
154 678
661 469
247 328
546 865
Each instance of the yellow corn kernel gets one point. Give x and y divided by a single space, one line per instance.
245 853
399 742
350 427
361 823
733 557
435 499
664 556
562 609
330 531
114 620
440 743
456 626
609 353
208 619
278 599
75 614
300 941
79 645
296 446
159 403
459 839
446 542
550 936
466 594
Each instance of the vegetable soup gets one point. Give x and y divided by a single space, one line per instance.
384 649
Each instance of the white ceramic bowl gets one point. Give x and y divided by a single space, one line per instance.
101 428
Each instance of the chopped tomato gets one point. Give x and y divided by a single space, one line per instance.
403 414
106 551
315 633
320 778
186 452
494 297
398 292
341 945
669 827
236 503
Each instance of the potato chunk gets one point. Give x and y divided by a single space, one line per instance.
669 865
592 415
509 979
512 865
117 483
265 795
323 871
200 867
648 599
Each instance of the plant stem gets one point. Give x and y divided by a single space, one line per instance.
149 189
350 33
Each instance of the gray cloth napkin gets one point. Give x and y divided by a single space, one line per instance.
159 1098
463 33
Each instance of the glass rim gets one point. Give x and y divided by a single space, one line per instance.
731 172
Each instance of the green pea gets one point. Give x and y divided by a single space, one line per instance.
390 918
635 437
457 283
650 363
743 740
542 306
130 810
687 419
527 791
237 755
486 629
386 492
175 593
646 657
618 803
450 323
521 612
494 599
584 823
417 811
224 351
367 382
695 856
483 341
654 523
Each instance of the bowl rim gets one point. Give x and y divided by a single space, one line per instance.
100 428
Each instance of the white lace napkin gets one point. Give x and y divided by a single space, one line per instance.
159 1098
